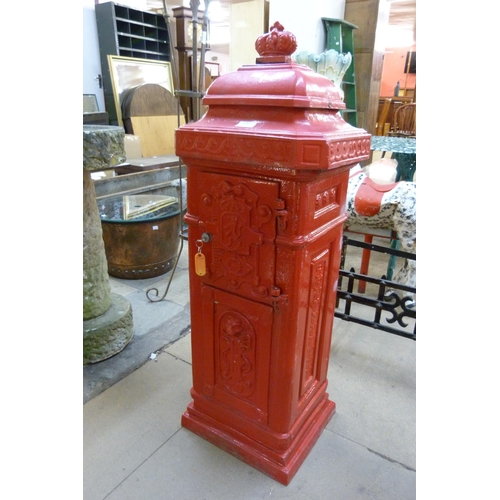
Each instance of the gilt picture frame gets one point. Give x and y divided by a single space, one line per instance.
130 72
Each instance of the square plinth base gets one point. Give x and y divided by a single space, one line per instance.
279 465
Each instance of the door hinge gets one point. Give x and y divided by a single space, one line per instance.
280 302
281 214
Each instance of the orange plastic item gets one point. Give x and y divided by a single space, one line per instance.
200 264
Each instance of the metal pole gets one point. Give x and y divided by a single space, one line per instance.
173 61
194 81
204 35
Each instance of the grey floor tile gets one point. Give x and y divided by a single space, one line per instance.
135 447
126 424
181 349
372 379
140 284
158 331
178 288
148 315
187 467
121 288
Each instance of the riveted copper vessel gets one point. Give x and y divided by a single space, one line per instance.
143 246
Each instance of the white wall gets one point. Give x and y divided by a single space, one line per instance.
221 58
91 60
246 24
303 19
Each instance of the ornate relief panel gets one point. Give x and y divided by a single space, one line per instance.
239 331
236 356
240 215
317 289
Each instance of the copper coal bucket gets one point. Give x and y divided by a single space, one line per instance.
141 234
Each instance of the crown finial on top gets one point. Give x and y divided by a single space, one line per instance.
276 46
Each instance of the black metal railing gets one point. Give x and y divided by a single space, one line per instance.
392 307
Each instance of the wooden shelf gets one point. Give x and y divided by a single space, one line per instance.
340 37
127 32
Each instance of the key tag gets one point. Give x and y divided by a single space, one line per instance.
199 260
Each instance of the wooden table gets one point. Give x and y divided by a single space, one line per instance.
144 164
404 151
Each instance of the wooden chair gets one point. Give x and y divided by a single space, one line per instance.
405 121
382 118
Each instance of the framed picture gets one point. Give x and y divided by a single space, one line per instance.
129 72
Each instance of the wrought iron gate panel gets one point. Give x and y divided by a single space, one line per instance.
393 298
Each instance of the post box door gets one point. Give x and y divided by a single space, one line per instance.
237 349
240 214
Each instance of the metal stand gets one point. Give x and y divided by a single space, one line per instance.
197 96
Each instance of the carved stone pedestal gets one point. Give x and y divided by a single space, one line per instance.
107 317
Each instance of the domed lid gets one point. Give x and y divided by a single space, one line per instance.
275 80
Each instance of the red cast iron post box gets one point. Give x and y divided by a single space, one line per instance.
268 167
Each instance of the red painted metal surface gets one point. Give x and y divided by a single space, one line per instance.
268 167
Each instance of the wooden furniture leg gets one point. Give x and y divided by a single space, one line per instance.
365 263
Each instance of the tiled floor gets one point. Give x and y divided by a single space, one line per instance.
135 447
156 324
